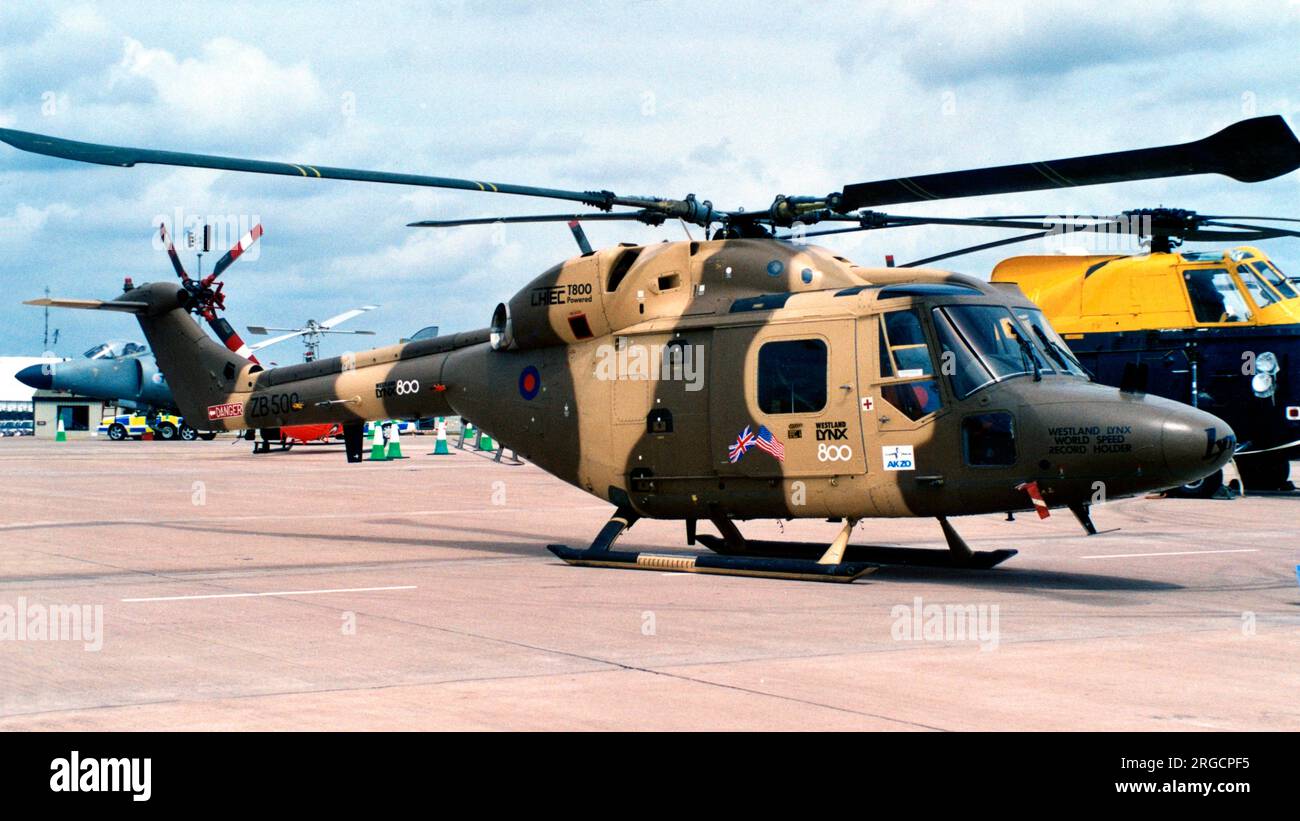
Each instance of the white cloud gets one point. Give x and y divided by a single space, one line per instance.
25 223
229 88
733 105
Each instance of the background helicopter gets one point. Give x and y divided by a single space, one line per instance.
871 392
312 331
127 374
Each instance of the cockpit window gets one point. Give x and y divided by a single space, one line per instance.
1275 278
1214 296
906 345
1062 358
963 369
994 336
1260 292
905 360
115 350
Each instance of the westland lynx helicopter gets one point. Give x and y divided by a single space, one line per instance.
830 390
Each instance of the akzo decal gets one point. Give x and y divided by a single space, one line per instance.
226 411
396 387
272 404
834 453
561 294
898 457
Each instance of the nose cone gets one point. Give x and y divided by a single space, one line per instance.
40 377
1195 444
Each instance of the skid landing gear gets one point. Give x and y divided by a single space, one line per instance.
830 567
958 553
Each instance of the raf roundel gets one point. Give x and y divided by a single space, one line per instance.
530 382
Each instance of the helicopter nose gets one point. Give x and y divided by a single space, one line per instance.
40 377
1195 444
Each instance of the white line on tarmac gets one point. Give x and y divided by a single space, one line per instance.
1173 553
351 514
279 593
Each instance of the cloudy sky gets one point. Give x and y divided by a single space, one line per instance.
735 102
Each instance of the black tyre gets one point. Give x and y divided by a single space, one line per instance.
1200 489
188 434
117 432
166 431
208 435
1264 473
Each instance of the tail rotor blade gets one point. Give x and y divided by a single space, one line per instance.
171 253
234 253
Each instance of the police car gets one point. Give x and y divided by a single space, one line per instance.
164 426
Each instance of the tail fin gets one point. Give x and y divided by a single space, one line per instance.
202 373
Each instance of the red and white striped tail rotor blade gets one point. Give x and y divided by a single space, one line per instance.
235 252
228 335
171 253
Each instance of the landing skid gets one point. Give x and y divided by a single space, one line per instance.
830 567
803 561
871 554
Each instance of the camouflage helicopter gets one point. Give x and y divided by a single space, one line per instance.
746 375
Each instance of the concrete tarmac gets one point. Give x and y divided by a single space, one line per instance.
220 591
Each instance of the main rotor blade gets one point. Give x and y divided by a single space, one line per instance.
1266 231
333 331
346 315
1249 151
273 340
127 157
1265 219
647 217
973 248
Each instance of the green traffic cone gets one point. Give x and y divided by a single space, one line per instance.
441 449
395 443
376 443
61 435
485 443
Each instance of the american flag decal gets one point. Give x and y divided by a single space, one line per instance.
770 443
763 440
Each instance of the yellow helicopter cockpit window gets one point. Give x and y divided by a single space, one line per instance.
1214 296
1274 277
1259 291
